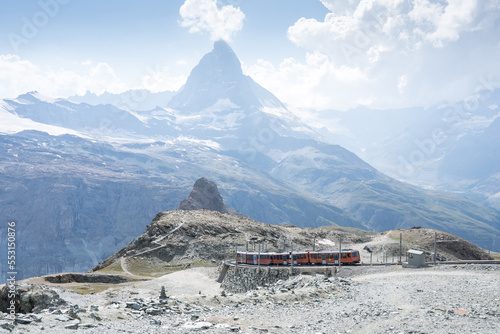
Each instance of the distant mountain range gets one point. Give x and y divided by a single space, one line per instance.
138 99
449 147
83 180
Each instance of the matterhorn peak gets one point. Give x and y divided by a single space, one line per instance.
219 76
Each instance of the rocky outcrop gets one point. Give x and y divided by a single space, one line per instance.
30 298
205 195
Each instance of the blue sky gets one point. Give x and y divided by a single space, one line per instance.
311 53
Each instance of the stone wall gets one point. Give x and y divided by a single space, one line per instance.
243 279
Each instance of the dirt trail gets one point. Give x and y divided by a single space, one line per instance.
124 266
378 245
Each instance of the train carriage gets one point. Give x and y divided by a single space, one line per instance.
350 256
299 258
279 258
254 258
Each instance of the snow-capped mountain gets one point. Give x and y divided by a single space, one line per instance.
217 78
84 192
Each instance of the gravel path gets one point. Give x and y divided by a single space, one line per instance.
443 299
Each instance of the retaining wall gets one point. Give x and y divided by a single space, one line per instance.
243 279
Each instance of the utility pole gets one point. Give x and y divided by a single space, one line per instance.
340 251
400 246
258 259
314 244
434 256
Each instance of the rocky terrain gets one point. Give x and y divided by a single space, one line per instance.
179 238
441 299
166 281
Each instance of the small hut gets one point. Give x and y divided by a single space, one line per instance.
416 258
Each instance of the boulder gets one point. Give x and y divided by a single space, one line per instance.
30 298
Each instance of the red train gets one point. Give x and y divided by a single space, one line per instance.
323 257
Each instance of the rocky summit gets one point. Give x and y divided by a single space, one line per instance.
205 195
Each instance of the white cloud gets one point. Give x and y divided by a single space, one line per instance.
398 53
20 76
440 24
313 84
206 16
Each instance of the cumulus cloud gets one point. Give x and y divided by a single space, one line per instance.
397 52
353 27
205 16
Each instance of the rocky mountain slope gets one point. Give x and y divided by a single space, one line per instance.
176 238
